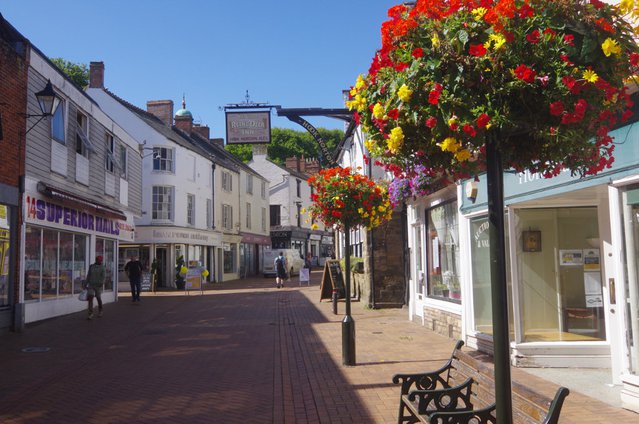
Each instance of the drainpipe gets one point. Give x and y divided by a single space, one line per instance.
371 258
404 218
214 254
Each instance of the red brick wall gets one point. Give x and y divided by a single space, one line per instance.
13 103
13 100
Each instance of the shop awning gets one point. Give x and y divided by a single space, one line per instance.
74 200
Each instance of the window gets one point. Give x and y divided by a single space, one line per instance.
299 188
263 190
55 263
443 251
162 159
82 144
110 148
263 219
162 203
227 217
275 215
248 215
57 124
190 209
227 181
249 184
230 255
209 213
123 162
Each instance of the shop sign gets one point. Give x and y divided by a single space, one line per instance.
248 127
314 237
41 212
280 234
327 240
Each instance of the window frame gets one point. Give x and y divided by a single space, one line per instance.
249 184
109 159
123 161
190 209
155 212
248 215
56 116
163 159
83 145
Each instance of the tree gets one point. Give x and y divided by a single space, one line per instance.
288 143
77 72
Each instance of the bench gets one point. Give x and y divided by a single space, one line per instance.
463 391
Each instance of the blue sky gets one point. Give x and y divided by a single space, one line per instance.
299 53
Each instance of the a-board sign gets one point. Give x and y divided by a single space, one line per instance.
146 281
332 278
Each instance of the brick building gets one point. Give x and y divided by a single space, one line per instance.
13 92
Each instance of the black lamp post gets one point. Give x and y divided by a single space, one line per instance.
348 323
48 101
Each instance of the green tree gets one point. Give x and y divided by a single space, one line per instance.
288 143
77 72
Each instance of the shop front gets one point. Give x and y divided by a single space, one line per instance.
251 249
571 267
8 252
62 236
160 247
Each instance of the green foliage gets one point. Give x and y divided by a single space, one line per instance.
77 72
355 267
288 143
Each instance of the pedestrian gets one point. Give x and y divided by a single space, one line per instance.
307 260
133 270
280 270
94 284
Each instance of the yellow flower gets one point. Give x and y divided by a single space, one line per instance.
462 155
396 139
626 6
378 111
610 46
314 227
370 145
303 210
380 208
479 13
359 103
449 145
360 211
404 93
452 120
497 39
435 40
590 75
360 83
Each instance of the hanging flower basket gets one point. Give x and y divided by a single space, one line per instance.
343 198
543 79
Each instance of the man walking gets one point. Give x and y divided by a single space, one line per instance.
133 270
94 284
280 270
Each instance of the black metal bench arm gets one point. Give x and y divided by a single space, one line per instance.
456 398
429 380
478 416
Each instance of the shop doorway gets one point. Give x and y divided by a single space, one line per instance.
161 257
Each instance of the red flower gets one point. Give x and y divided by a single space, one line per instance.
533 37
634 58
477 50
483 120
525 74
418 52
525 11
550 31
433 97
556 108
569 39
580 108
336 214
605 25
393 113
597 4
431 122
468 129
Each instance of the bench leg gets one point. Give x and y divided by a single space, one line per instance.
411 419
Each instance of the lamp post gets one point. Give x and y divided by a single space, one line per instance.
48 101
348 323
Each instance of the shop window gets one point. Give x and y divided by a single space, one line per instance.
106 249
230 254
55 263
5 244
443 252
560 283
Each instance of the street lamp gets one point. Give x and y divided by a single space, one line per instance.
48 101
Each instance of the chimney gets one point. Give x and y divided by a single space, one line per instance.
96 75
293 163
184 123
301 165
312 166
162 109
217 141
202 130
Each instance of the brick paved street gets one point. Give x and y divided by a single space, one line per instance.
243 352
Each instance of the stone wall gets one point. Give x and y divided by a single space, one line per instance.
442 322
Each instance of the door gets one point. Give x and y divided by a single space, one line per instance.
161 257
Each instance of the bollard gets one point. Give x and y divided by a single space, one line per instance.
334 299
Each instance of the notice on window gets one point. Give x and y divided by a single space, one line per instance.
592 289
591 260
571 257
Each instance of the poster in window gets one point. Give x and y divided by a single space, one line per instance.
571 257
591 260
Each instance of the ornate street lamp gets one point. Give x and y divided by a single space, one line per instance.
48 101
